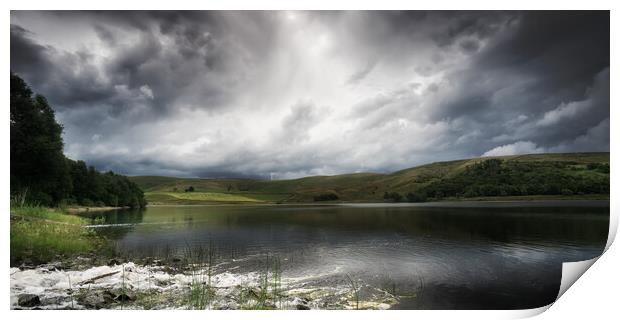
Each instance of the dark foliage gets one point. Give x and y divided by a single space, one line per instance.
416 197
392 196
495 177
90 187
326 197
38 166
41 172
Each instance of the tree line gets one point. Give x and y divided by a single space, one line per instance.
496 177
40 172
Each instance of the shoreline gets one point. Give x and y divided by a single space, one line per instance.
507 199
155 285
93 209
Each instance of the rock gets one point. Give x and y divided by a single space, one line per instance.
54 301
113 262
302 307
93 300
28 300
108 296
125 297
54 266
228 306
162 282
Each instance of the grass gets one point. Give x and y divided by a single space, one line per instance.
201 261
358 187
50 214
355 291
39 235
268 295
197 197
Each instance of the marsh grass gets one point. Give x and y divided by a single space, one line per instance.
355 290
41 234
70 291
51 214
123 288
200 261
268 295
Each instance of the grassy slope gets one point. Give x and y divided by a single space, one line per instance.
349 187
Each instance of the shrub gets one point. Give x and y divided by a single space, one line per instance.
326 197
416 196
392 196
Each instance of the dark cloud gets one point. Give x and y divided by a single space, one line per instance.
287 94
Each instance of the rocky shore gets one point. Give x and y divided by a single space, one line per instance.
155 285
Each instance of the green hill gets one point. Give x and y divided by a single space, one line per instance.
569 175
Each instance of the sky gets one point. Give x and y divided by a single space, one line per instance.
288 94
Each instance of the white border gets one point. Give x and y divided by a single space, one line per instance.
594 294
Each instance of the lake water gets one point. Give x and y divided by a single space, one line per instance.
467 255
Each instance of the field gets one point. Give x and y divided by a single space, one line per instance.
197 197
541 173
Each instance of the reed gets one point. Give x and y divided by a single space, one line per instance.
269 292
355 291
201 261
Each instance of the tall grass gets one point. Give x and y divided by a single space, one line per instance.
43 213
39 234
355 290
70 290
269 292
200 261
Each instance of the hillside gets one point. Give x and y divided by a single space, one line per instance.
573 175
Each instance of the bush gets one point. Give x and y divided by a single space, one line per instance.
40 198
392 196
567 192
326 197
87 202
416 197
496 177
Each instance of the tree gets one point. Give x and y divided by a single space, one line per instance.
416 196
392 196
41 174
37 160
326 197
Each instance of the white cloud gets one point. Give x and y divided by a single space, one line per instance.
519 147
562 112
146 91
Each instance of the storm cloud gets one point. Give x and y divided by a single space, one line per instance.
288 94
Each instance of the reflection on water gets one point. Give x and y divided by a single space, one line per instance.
466 255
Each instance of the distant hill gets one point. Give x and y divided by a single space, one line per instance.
563 176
